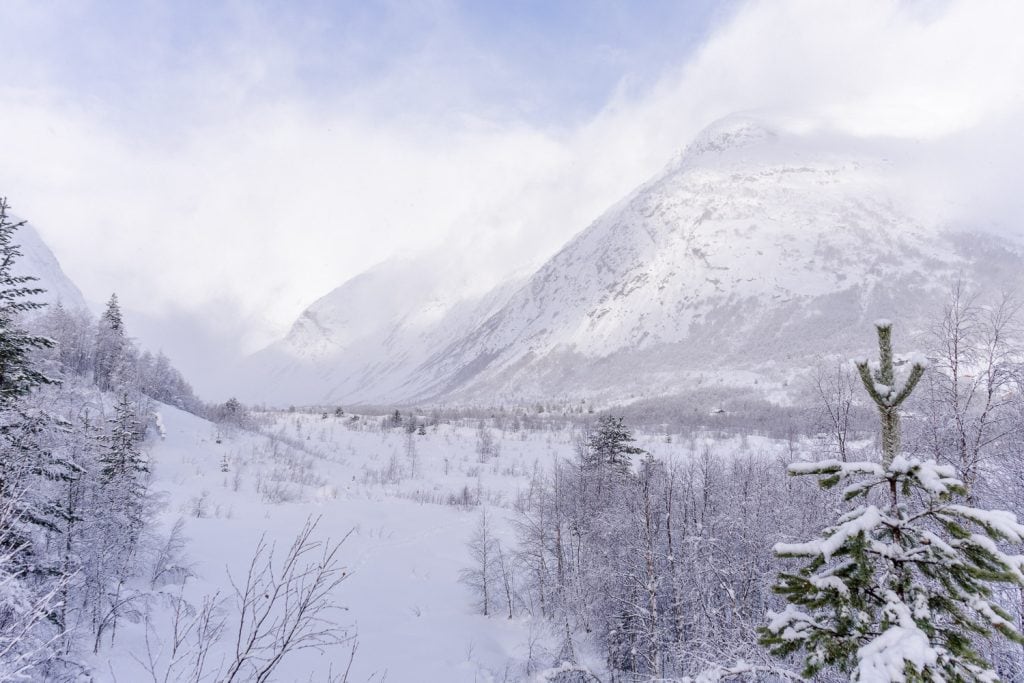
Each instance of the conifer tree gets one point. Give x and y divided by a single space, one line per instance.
110 345
232 412
18 374
23 460
123 468
112 315
900 587
611 445
879 381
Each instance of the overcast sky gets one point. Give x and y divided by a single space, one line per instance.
223 164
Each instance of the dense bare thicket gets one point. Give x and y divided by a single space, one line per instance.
667 567
969 413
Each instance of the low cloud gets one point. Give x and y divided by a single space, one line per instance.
253 198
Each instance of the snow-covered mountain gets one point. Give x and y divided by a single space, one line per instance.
362 341
755 250
37 260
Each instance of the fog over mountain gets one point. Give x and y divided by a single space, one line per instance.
278 157
763 243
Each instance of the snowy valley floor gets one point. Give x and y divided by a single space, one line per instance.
413 618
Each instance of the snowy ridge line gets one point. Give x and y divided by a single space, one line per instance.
755 249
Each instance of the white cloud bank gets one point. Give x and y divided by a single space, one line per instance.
243 205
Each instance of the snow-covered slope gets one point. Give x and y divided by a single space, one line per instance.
405 547
758 247
37 260
362 341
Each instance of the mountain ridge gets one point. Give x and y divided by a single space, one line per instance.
39 261
757 244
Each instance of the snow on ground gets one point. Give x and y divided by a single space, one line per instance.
415 621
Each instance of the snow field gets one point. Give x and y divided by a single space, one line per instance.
408 505
413 619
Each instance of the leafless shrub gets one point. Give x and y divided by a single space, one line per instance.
280 608
193 634
167 565
287 606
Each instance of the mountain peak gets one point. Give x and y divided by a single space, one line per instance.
729 133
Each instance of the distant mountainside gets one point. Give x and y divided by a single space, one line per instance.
751 253
37 260
362 341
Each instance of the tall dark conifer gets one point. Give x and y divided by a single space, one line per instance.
611 445
21 457
123 468
18 374
110 345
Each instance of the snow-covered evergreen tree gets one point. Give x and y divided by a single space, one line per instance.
232 413
110 345
900 587
114 539
566 668
879 380
611 445
123 469
18 374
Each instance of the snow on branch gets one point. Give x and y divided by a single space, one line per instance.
861 521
